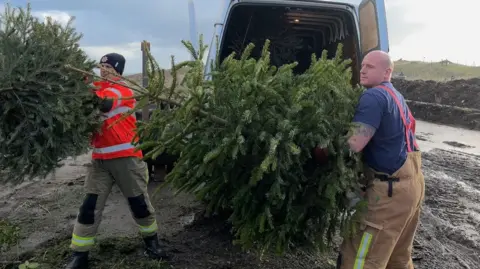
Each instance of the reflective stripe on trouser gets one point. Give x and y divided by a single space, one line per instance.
385 235
131 175
83 241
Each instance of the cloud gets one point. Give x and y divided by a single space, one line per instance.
447 32
400 26
417 28
133 54
56 15
127 21
129 50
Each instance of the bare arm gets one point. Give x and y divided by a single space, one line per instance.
359 136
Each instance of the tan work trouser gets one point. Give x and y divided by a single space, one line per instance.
131 176
385 237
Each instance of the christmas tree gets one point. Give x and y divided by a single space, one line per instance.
47 112
245 139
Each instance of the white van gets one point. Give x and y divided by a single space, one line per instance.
298 28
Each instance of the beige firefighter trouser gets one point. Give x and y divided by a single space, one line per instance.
385 237
131 176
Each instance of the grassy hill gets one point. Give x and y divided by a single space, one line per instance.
439 71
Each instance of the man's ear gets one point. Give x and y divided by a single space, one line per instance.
389 71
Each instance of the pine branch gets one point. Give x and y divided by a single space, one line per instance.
46 112
144 93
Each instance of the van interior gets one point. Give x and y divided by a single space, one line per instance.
294 33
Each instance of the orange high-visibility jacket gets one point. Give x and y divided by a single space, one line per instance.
115 141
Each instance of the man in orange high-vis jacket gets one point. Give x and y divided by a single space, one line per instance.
114 159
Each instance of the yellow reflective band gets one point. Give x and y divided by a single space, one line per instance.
363 250
149 229
82 241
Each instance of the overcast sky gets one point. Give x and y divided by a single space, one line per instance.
428 30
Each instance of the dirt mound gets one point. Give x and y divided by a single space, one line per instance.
455 103
461 93
446 115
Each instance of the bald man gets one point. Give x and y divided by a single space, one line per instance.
394 184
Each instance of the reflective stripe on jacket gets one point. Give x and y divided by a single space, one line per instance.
115 141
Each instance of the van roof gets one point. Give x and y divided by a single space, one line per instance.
354 3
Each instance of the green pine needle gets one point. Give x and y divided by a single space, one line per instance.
248 152
47 113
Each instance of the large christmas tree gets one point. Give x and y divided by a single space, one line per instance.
47 112
245 139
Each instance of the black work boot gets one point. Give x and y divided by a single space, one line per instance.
153 249
79 260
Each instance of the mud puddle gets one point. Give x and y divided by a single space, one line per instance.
432 136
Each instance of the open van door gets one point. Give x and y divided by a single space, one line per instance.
217 33
212 49
373 26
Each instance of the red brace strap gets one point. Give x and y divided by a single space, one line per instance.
408 126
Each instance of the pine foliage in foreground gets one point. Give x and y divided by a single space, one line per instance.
47 112
245 138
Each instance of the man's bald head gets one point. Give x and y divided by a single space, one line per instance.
377 67
381 57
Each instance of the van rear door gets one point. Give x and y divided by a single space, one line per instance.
218 31
373 26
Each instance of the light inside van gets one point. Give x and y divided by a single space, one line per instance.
297 20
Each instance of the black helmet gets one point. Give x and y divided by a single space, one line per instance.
117 61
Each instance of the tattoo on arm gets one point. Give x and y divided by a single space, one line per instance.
364 130
360 135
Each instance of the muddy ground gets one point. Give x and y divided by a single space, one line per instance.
45 213
448 237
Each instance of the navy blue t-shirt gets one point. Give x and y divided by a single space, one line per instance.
387 150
